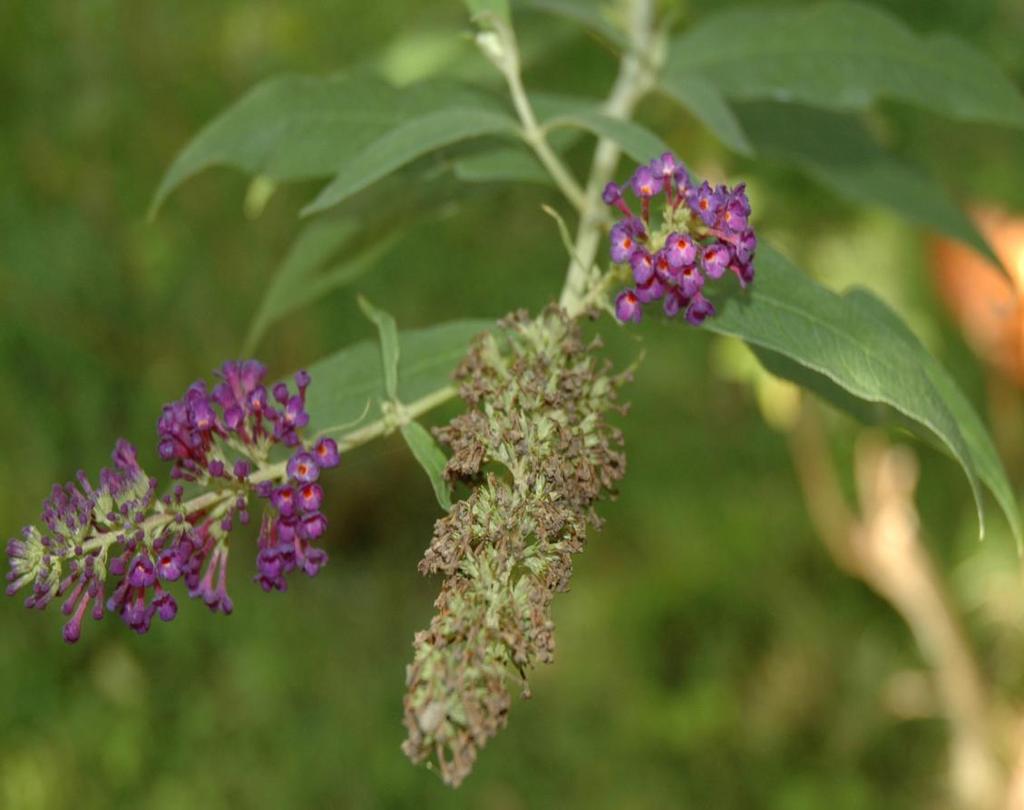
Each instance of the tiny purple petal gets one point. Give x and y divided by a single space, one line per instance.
643 266
624 242
302 467
651 291
312 526
699 310
715 259
680 250
284 500
310 497
326 452
645 183
628 307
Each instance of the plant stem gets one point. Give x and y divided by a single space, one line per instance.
507 60
275 472
636 76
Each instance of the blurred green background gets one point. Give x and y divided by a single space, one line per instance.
709 654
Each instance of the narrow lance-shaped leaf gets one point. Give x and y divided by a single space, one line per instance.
841 55
404 144
859 346
357 127
837 151
302 278
568 111
483 7
388 345
352 377
504 164
709 106
587 13
431 459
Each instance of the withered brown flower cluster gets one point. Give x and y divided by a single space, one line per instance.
538 452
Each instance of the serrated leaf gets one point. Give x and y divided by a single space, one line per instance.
303 127
855 343
837 151
570 111
388 345
842 56
710 107
431 459
344 382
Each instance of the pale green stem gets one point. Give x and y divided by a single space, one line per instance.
507 61
637 72
209 501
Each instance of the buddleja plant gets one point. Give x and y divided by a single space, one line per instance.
538 445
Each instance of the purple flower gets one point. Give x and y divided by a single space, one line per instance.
744 272
715 259
624 242
675 299
312 526
326 452
735 214
666 166
699 310
691 282
651 291
303 468
645 183
680 250
663 269
310 497
643 266
283 500
744 246
627 307
705 202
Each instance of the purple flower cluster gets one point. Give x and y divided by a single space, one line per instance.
191 427
704 232
73 515
295 520
218 440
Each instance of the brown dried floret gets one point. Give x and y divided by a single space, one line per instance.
538 400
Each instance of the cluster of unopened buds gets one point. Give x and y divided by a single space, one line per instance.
117 546
704 232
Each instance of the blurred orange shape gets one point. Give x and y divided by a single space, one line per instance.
986 304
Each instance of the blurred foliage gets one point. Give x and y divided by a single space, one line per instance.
709 654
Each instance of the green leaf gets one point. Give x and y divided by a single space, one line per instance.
514 163
358 127
431 459
857 345
478 8
843 56
388 345
838 152
344 382
586 13
569 111
405 143
709 107
302 278
501 165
